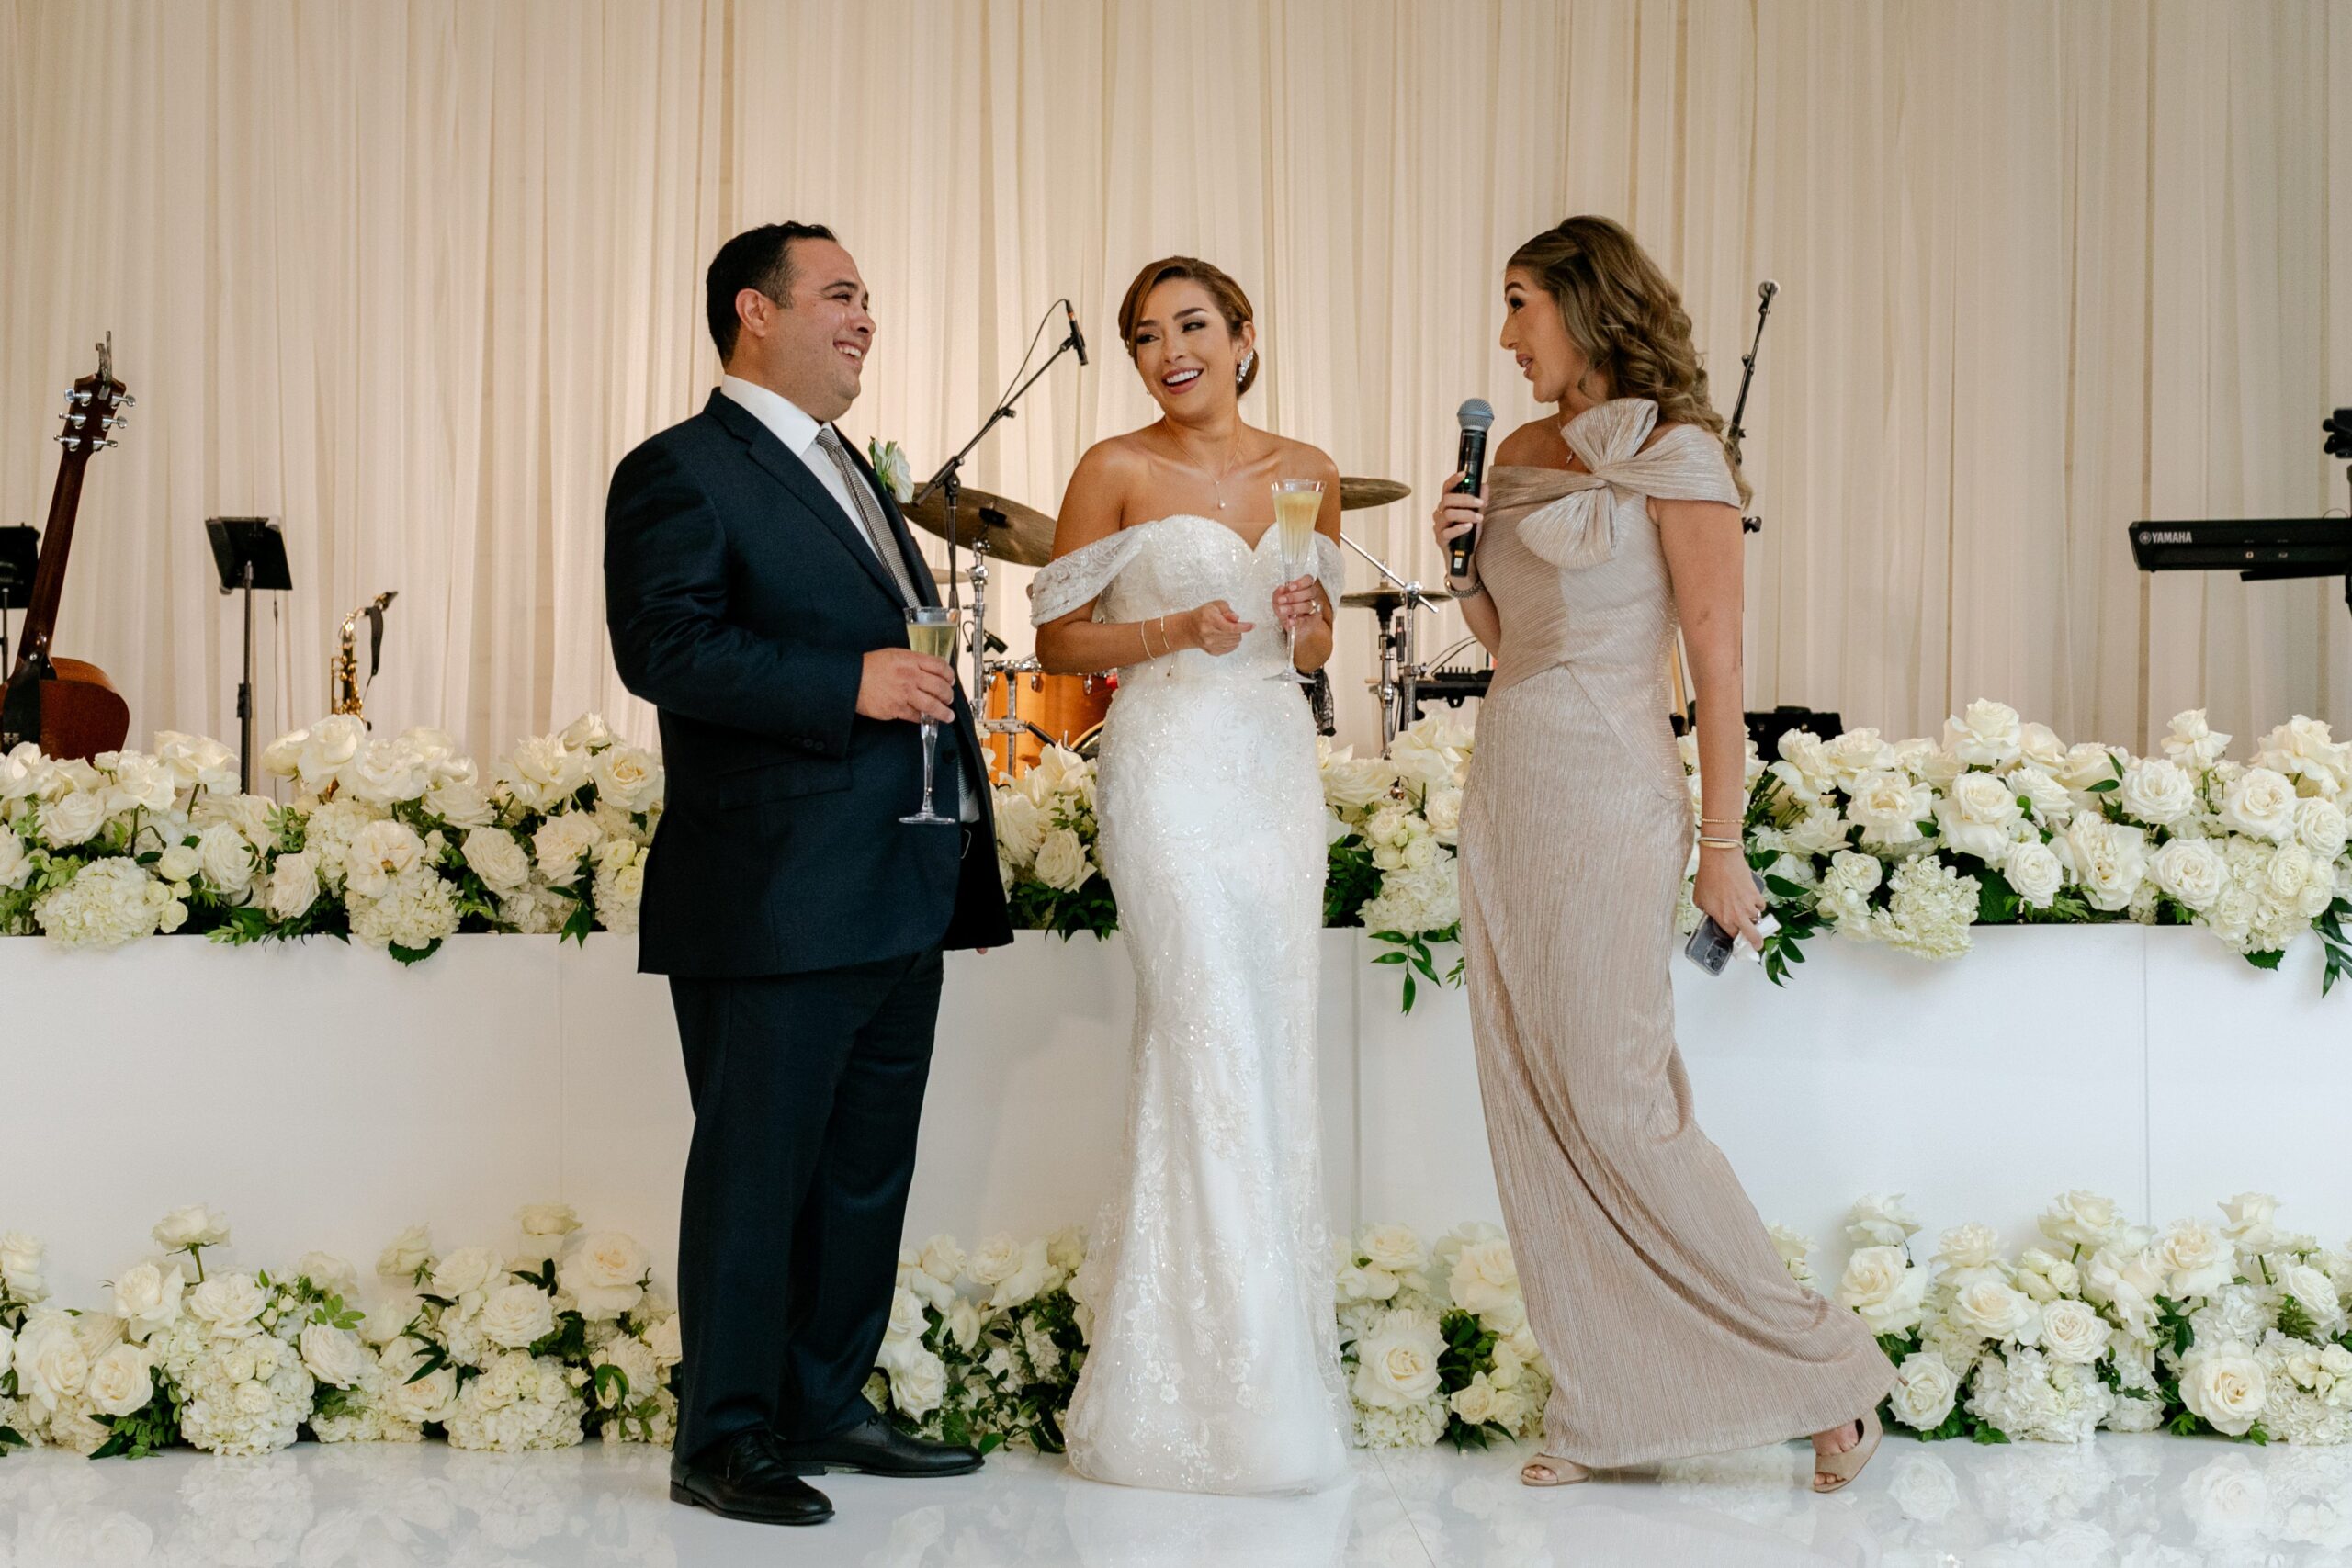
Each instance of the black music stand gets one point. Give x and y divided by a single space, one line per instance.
19 555
251 553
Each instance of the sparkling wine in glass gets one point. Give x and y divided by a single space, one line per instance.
931 628
1297 503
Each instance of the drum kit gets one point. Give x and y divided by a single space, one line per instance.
1069 710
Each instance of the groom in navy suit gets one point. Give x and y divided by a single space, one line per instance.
757 578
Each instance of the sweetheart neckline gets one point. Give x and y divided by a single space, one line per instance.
1232 532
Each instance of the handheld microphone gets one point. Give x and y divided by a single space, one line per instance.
1476 417
1076 338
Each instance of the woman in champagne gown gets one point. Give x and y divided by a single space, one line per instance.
1672 1326
1213 1362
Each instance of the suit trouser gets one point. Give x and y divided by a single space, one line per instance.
807 1093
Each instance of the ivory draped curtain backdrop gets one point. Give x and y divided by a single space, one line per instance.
412 275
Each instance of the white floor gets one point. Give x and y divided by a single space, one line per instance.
2149 1502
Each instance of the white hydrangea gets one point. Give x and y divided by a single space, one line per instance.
415 910
519 1403
110 901
1931 908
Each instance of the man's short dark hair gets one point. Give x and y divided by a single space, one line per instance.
757 258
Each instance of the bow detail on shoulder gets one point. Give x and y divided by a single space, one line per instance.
1574 521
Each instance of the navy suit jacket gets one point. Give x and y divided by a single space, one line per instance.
741 600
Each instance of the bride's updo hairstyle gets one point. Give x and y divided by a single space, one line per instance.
1626 318
1231 303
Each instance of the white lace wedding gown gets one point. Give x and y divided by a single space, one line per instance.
1214 1362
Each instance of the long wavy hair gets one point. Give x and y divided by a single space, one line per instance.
1626 319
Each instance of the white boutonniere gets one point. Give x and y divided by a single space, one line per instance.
890 464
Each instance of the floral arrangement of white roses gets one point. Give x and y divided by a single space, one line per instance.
2237 1329
1912 842
396 841
536 1348
984 1347
1434 1341
1045 848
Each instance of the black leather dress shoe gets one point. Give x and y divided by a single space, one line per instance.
874 1446
743 1477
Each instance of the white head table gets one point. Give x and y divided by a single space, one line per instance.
324 1096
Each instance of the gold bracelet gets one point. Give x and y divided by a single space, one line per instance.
1719 821
1143 635
1717 844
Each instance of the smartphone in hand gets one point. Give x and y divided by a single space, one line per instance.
1711 946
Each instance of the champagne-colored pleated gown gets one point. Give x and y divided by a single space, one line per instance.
1672 1326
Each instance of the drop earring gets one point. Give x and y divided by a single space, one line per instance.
1242 373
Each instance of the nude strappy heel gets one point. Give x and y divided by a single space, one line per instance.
1545 1470
1844 1467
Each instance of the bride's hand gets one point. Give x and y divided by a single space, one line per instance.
1213 627
1298 600
1727 891
1456 512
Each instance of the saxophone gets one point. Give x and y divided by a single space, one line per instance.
343 669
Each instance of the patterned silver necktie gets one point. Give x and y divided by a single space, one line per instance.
869 514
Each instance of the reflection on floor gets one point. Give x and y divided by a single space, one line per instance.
2148 1502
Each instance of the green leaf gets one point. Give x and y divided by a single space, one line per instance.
2266 960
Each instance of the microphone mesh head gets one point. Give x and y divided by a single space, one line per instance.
1477 413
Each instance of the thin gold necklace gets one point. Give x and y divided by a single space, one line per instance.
1216 481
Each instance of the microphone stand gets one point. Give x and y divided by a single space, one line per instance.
950 479
1734 435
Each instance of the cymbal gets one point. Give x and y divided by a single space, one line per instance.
1385 598
1355 494
1021 534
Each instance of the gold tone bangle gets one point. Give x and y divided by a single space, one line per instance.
1706 842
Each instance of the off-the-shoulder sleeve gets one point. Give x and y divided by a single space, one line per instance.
1062 585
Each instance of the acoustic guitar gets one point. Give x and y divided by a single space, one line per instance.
66 706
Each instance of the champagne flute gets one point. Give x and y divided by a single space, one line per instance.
1297 503
931 628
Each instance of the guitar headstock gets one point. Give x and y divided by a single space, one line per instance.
95 407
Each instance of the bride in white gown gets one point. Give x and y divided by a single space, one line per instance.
1213 1364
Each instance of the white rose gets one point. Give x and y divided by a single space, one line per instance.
1443 810
1061 861
72 819
1924 1392
2047 801
194 1225
2158 791
1485 1280
2109 860
1395 1249
2320 826
1023 1283
941 1258
1882 1287
1992 1310
516 1316
460 804
326 747
136 781
293 886
1881 1220
2261 804
918 1382
547 1219
605 1273
1986 736
178 863
2044 1276
226 857
2082 1219
1888 807
543 771
906 1319
1396 1362
120 1382
2035 873
2191 872
148 1298
1856 752
2225 1384
994 1260
562 842
1978 816
1350 786
433 1397
2086 765
20 1265
51 1366
498 859
1474 1402
227 1302
1021 825
407 1253
662 1340
196 762
2313 1289
2193 743
329 1273
1965 1250
2039 747
389 771
16 862
626 777
334 1356
466 1270
2073 1332
2196 1259
378 852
